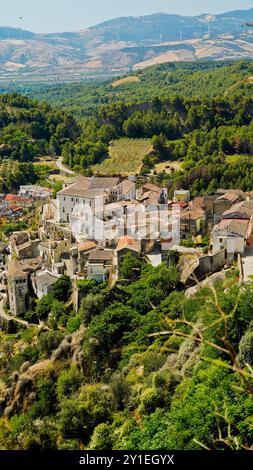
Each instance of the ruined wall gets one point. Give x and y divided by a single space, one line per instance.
212 263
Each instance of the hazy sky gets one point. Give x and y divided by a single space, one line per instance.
71 15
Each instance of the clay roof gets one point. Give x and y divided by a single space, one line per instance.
89 187
232 195
128 242
181 204
15 269
125 186
82 189
101 255
197 202
233 226
15 198
86 246
243 209
103 183
193 214
15 208
151 187
44 277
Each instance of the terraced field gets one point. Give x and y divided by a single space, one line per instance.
7 167
125 157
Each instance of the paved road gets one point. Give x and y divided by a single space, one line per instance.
63 168
247 264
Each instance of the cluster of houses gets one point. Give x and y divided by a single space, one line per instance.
13 206
95 221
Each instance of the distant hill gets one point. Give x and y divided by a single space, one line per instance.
192 80
118 45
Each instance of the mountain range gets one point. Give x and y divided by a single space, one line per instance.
119 45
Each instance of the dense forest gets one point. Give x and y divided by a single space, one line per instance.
191 80
140 366
29 130
199 114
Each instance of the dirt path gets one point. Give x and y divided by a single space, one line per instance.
65 170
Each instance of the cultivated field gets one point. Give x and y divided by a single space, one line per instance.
123 81
7 167
125 158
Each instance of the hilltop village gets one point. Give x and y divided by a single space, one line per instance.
95 222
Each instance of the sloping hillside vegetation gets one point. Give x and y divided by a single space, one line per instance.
192 80
29 130
140 367
200 134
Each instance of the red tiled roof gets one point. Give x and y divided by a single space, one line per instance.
15 198
15 208
181 204
128 242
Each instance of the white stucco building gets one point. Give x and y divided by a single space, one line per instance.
231 235
88 191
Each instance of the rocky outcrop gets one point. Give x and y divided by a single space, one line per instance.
12 399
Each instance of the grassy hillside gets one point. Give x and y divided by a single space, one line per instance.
125 157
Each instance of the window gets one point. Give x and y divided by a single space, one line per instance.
63 210
220 240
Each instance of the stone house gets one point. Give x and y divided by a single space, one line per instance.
42 282
231 235
79 256
100 265
18 288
